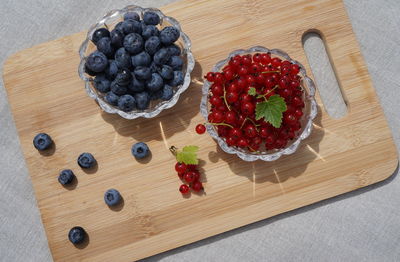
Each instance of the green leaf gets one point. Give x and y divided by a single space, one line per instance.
252 91
271 110
188 155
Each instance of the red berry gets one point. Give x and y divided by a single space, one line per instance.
250 130
276 61
270 139
251 80
232 97
246 60
283 83
242 83
257 140
191 167
222 131
264 132
291 134
275 77
285 93
188 177
216 101
269 83
227 68
234 63
241 118
280 143
243 71
286 63
222 108
298 113
257 57
219 78
218 116
236 133
231 141
184 189
229 75
197 186
230 117
210 76
200 129
247 108
265 59
245 98
285 70
242 142
294 84
297 101
255 68
295 69
217 90
180 168
196 175
233 87
260 79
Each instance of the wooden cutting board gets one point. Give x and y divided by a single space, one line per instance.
46 95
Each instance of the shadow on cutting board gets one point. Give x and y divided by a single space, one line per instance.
169 121
276 171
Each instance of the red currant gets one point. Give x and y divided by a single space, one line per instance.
285 93
230 117
243 71
276 61
242 142
294 69
231 141
257 57
191 167
298 113
242 83
245 98
250 130
184 189
180 168
236 133
197 186
246 60
264 132
229 75
200 129
222 131
294 84
251 80
269 83
189 177
286 63
210 76
255 68
297 101
260 79
217 90
265 59
216 101
232 97
285 70
218 116
233 87
247 108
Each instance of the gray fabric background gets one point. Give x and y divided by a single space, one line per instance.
359 226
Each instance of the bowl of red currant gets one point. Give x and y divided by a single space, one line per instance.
258 104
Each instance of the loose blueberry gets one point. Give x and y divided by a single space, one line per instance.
112 197
42 141
118 89
178 79
136 85
111 98
168 35
155 83
131 16
176 62
152 45
142 73
140 150
111 70
123 58
66 177
166 72
86 160
149 31
151 18
104 46
141 59
123 77
117 38
126 103
99 34
173 50
142 100
101 83
133 43
97 62
167 93
76 235
131 26
161 57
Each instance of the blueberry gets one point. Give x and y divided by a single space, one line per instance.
151 18
117 38
99 34
154 68
141 59
155 83
66 176
149 31
152 45
136 85
142 100
142 73
173 50
168 35
131 26
111 70
133 43
104 46
176 62
126 103
111 98
161 57
42 141
167 93
101 83
143 24
76 235
88 71
119 27
156 95
140 150
178 79
86 160
166 72
131 16
118 89
123 58
97 62
123 77
112 197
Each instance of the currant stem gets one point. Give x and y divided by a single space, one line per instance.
226 102
218 124
264 96
267 72
173 150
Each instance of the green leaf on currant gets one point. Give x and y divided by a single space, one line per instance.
188 155
271 110
252 91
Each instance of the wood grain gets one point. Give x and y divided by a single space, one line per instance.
46 95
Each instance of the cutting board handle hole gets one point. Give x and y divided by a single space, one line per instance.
324 73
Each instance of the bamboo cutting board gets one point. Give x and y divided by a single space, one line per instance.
46 95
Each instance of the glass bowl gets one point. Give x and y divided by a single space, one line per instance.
109 20
310 110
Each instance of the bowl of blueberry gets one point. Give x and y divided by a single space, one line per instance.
258 104
136 62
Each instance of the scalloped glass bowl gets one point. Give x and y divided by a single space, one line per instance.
310 110
110 20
